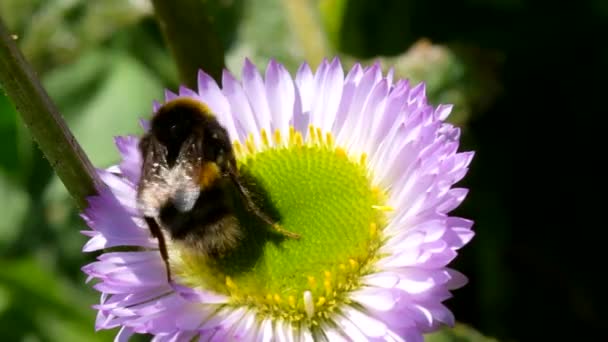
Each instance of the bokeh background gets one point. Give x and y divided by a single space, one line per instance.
499 61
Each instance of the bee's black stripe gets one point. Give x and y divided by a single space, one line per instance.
212 205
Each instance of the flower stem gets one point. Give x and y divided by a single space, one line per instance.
188 30
44 122
305 23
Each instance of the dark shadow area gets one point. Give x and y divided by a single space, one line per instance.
529 265
256 233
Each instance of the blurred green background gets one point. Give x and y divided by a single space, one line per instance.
104 61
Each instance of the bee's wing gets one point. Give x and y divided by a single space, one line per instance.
153 190
185 174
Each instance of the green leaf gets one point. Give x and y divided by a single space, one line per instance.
369 28
36 304
125 96
332 15
113 108
148 48
62 30
460 333
14 202
17 13
14 153
9 154
464 77
73 85
264 32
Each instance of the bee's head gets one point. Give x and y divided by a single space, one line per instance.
186 119
176 122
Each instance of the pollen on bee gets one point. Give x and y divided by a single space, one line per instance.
209 172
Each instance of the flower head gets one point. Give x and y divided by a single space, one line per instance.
361 167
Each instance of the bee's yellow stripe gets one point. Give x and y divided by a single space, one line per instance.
209 173
197 105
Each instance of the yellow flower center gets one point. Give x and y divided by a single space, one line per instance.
317 190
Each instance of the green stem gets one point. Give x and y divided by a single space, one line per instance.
186 25
44 122
308 30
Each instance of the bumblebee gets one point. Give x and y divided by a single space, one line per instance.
188 174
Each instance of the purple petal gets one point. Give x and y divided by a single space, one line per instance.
354 75
107 216
453 200
350 329
457 279
375 298
305 84
169 95
355 115
393 107
144 124
210 94
122 190
389 75
300 119
200 296
332 334
130 165
187 92
381 279
284 105
253 85
371 110
369 326
443 111
328 93
417 95
155 106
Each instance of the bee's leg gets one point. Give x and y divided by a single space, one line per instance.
253 208
156 232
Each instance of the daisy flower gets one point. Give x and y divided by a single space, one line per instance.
362 167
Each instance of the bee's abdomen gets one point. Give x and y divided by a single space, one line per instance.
210 227
215 239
